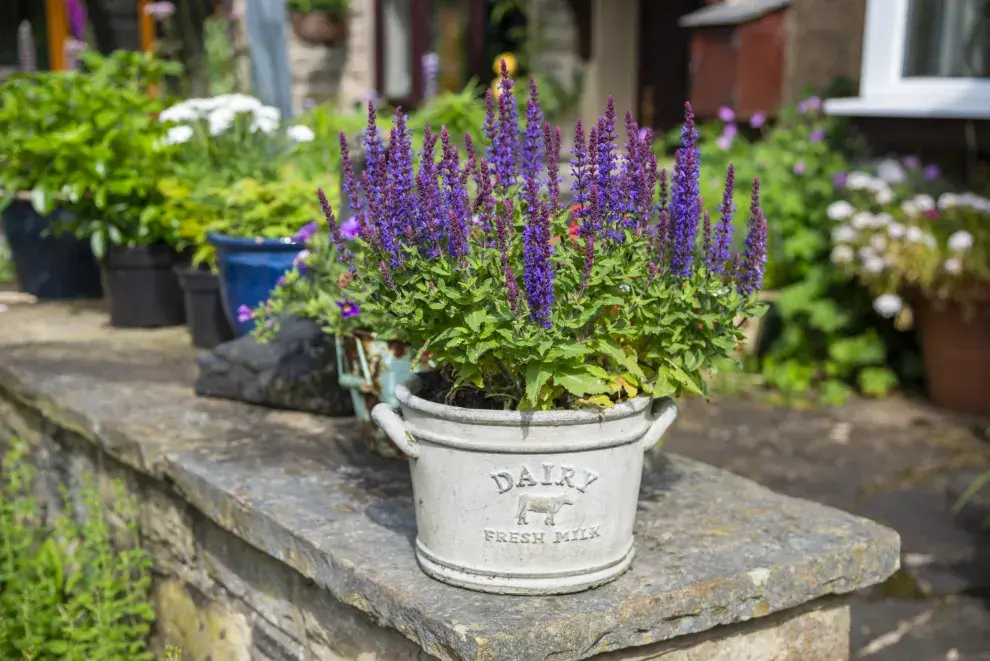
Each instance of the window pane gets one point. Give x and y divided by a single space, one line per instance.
397 49
948 38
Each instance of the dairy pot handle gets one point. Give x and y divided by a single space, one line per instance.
393 425
664 412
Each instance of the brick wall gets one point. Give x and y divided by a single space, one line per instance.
825 40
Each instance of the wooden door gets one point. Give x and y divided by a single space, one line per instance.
664 61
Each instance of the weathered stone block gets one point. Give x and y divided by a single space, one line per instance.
276 535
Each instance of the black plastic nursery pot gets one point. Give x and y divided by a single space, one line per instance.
205 317
143 288
47 266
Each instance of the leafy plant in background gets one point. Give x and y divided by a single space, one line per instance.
253 208
76 591
826 341
899 240
88 141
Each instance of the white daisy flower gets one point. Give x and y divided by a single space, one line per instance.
891 171
952 265
842 255
220 120
878 243
888 305
915 235
844 234
178 134
873 265
960 241
924 202
862 220
180 112
884 196
300 133
947 201
910 208
840 210
895 230
858 180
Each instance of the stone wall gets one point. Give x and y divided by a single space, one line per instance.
218 598
824 41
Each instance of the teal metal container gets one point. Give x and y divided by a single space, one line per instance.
370 369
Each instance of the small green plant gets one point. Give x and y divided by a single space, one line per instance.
6 262
73 590
87 141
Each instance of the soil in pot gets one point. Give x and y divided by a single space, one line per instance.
205 317
955 343
143 288
46 266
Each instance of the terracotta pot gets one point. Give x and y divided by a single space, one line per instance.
955 342
319 27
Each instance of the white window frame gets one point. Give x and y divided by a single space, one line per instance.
886 92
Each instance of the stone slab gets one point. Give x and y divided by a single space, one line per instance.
713 548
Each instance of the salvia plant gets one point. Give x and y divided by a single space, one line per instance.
521 303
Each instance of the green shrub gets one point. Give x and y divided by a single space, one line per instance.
73 590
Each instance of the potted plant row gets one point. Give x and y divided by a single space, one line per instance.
925 255
239 205
555 342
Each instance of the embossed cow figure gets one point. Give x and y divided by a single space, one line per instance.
548 505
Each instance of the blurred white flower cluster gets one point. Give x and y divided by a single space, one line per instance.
893 238
219 113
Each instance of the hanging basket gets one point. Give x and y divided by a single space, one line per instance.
319 27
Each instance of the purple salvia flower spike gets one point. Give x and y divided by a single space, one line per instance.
472 156
505 154
684 200
490 127
532 149
719 254
400 174
589 263
750 275
538 269
706 245
580 173
429 213
605 171
503 218
350 185
455 197
343 253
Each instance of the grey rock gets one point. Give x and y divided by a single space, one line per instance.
296 370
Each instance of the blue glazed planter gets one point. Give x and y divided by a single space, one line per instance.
47 266
371 369
249 270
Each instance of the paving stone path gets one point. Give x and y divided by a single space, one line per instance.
897 461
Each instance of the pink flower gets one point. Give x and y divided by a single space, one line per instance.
726 114
800 168
244 314
724 141
730 130
757 120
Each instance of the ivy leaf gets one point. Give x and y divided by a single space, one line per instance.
537 374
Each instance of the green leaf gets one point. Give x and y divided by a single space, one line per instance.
98 244
537 374
42 201
474 319
580 384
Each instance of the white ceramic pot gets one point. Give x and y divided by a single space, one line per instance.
524 502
